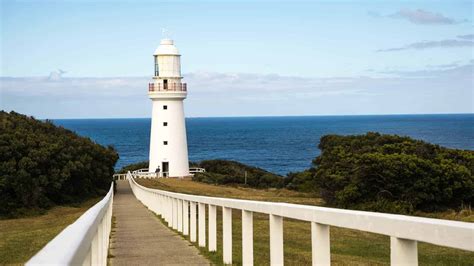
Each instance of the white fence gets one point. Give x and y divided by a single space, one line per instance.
179 211
194 170
85 242
120 176
144 173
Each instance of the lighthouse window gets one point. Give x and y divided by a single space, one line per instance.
165 107
165 124
157 72
165 142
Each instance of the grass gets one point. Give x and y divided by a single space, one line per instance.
347 246
197 188
22 238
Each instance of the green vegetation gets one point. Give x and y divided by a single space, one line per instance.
21 238
391 174
373 172
347 246
302 181
226 172
42 165
231 172
237 192
133 167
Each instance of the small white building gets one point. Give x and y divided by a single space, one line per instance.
168 143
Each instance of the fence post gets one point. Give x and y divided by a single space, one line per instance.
202 224
276 240
403 251
170 212
193 222
146 201
212 228
180 215
227 234
185 217
158 204
167 209
164 210
88 259
175 213
95 250
99 244
320 245
150 204
247 238
105 244
165 206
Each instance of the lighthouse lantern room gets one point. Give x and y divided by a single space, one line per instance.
168 144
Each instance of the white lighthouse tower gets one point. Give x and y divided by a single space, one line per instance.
168 144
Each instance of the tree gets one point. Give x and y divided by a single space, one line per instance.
42 165
232 172
392 174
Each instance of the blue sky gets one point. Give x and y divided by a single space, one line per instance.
239 58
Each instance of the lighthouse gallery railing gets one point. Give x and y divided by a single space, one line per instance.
152 87
179 211
85 242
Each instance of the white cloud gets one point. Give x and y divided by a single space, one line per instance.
431 44
421 16
434 90
466 37
56 75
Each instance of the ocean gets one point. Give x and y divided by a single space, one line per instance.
276 144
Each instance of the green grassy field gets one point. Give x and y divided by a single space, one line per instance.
347 246
21 238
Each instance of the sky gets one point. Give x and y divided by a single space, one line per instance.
93 59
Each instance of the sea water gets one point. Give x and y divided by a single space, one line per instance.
276 144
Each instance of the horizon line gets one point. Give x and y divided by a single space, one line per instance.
262 116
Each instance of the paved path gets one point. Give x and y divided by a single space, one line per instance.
139 238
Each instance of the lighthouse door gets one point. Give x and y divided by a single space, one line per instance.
165 167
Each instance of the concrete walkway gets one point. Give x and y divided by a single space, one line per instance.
139 238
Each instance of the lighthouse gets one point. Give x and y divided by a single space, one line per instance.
168 144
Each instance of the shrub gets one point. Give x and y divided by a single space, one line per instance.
301 181
133 167
231 172
392 174
42 165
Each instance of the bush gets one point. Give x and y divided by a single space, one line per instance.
392 174
301 181
42 165
133 167
231 172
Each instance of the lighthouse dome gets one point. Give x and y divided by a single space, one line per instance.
166 48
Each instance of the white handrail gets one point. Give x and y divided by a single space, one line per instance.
193 170
404 231
85 242
147 175
141 170
120 176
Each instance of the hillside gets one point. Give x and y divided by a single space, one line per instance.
21 238
232 172
42 165
226 172
390 173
